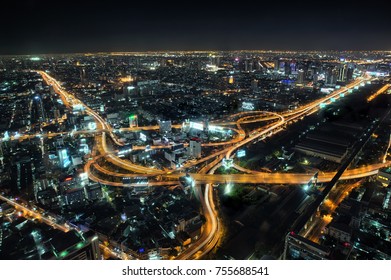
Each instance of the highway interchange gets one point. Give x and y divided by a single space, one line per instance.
205 176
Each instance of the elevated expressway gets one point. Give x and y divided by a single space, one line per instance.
211 232
229 147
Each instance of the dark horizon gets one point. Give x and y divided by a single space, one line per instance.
174 51
43 27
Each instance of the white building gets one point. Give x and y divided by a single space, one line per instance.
195 148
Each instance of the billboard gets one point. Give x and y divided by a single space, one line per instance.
198 126
241 153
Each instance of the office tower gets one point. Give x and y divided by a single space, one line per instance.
63 158
343 73
276 65
300 77
248 65
349 75
38 100
331 76
195 148
83 75
287 68
22 174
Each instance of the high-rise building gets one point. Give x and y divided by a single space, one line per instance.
300 77
195 148
300 248
82 75
165 128
248 65
217 60
73 246
331 77
63 158
287 68
22 174
133 121
254 85
350 74
276 64
41 110
343 73
56 113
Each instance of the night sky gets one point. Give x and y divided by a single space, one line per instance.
41 26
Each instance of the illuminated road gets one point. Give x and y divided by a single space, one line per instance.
254 177
240 141
35 214
211 232
30 213
210 235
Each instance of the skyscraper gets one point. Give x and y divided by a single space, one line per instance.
22 174
276 64
300 77
82 75
195 148
343 73
331 76
248 65
63 158
41 110
287 68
